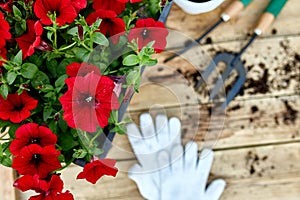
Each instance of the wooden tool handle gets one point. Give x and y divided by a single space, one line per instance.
269 16
234 9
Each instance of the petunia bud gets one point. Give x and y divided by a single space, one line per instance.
24 85
162 3
44 46
56 117
80 32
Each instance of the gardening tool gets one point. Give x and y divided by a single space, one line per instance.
230 12
233 61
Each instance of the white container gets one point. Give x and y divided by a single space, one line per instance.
194 8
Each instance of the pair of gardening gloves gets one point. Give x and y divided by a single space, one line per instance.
166 169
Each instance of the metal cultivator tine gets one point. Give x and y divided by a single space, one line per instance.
228 59
239 67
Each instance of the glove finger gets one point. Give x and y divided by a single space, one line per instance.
162 131
136 171
203 168
177 158
175 130
164 165
147 126
190 156
135 139
215 189
148 183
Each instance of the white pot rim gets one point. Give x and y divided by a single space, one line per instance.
194 8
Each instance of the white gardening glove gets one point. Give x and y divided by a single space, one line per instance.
146 145
186 178
166 172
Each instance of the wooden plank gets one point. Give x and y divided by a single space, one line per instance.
246 123
7 191
268 172
272 64
287 23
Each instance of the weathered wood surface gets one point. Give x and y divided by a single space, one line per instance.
287 23
7 192
266 172
253 122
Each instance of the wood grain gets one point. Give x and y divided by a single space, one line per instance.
287 23
7 191
266 172
257 140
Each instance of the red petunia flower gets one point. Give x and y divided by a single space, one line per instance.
2 55
81 69
147 30
65 12
79 4
4 31
34 159
51 190
32 39
131 1
29 182
110 24
93 171
114 5
32 133
88 101
6 5
16 108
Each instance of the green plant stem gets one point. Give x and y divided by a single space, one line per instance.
94 138
91 41
67 47
85 46
55 38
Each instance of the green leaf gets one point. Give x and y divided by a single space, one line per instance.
80 153
11 77
95 151
18 58
23 25
137 84
4 90
52 66
17 12
73 31
97 23
6 161
12 129
37 60
100 39
60 82
28 70
53 126
18 28
82 53
47 113
67 141
49 36
149 62
63 125
131 60
40 79
7 67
